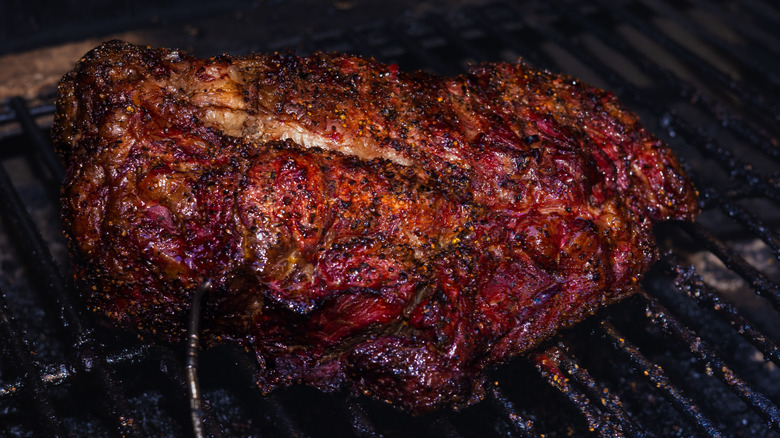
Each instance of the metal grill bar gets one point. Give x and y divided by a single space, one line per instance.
758 138
170 366
595 391
361 423
757 280
742 58
91 358
548 363
724 157
362 426
494 29
743 217
60 373
730 162
36 249
32 373
763 15
693 286
43 147
523 426
656 375
8 114
280 416
664 319
693 60
754 34
583 390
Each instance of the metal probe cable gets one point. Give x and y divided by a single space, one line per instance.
193 345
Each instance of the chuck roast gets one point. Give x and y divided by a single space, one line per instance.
392 233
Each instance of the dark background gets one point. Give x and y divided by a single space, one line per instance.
41 39
29 24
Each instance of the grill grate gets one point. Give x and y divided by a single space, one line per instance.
656 375
696 354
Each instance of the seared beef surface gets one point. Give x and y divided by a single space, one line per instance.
392 233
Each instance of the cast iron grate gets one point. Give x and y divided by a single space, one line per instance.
696 354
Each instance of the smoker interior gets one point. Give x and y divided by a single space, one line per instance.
694 354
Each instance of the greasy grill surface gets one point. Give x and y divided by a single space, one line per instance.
695 354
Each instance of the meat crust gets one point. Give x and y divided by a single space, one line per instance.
392 233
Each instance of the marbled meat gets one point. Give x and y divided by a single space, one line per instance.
365 228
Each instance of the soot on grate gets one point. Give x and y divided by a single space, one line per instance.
695 354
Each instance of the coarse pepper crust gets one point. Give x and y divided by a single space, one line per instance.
392 233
